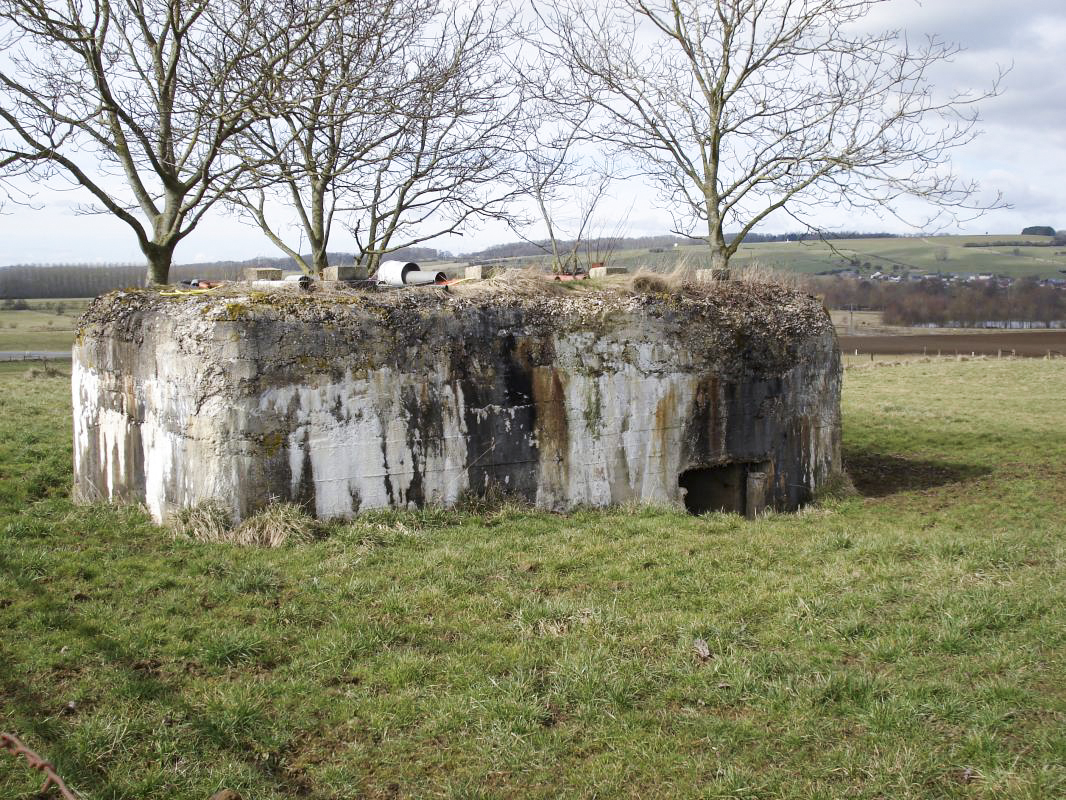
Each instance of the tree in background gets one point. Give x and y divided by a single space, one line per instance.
400 128
453 160
741 108
328 123
566 185
135 101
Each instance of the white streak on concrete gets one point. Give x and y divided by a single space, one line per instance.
363 449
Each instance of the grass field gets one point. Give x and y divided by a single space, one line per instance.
906 643
45 325
930 254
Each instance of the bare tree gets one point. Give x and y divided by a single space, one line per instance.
134 100
331 120
739 108
603 240
564 183
585 202
567 204
400 129
559 171
454 160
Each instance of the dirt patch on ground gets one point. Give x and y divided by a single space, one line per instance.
1029 344
880 475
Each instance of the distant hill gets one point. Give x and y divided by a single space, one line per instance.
537 248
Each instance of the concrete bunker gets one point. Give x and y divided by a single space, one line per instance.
718 397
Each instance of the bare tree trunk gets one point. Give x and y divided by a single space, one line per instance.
159 261
319 261
318 231
719 263
557 266
720 252
369 261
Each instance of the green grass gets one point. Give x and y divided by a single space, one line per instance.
927 254
908 643
46 325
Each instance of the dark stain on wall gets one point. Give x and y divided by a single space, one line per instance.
551 427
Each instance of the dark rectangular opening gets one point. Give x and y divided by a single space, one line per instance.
735 488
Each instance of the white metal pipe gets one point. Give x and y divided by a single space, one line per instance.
406 273
393 273
418 278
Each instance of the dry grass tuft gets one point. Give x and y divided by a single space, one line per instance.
495 498
44 370
683 272
528 282
275 526
757 273
837 486
648 282
272 527
209 521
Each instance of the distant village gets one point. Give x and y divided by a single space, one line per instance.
910 275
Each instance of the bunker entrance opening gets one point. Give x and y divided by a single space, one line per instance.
735 488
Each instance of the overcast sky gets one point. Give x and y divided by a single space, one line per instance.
1021 154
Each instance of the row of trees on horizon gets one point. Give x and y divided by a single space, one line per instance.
937 303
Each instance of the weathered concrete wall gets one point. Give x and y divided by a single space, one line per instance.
365 400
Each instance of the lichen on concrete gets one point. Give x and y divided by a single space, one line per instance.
348 400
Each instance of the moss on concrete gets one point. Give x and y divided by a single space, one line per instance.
755 326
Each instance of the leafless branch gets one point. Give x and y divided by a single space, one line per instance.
135 100
737 109
14 746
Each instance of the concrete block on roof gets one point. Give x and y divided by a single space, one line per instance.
711 275
344 273
262 274
603 272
